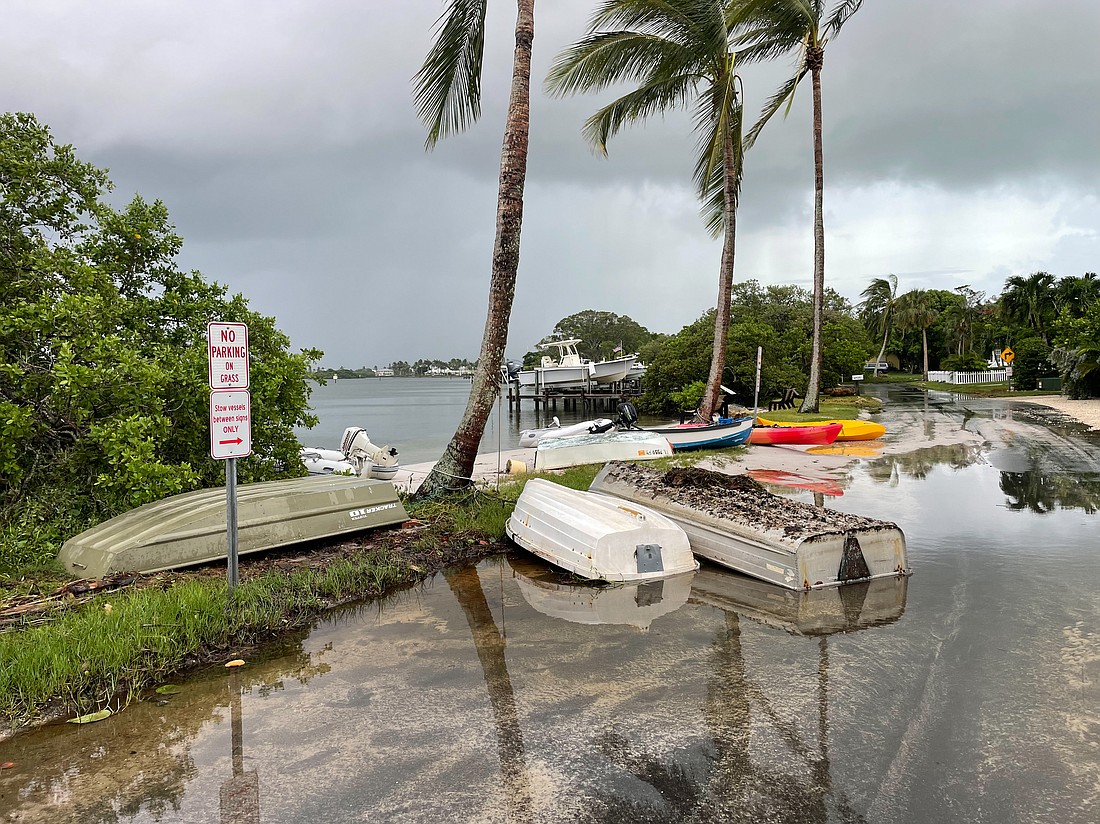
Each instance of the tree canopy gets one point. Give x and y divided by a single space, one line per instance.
103 371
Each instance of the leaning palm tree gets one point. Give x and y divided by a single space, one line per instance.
678 53
448 99
916 310
876 310
772 28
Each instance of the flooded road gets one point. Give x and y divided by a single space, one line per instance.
969 692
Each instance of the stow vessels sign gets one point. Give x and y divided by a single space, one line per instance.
230 424
227 347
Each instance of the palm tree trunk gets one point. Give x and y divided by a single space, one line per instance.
722 310
924 341
453 470
882 349
814 57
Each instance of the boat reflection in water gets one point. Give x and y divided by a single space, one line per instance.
802 612
560 595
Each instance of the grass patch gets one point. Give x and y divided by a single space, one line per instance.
118 644
829 409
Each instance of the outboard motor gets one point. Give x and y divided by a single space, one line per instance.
628 415
358 448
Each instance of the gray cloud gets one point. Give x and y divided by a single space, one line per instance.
959 147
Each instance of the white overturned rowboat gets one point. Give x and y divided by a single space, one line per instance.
632 445
733 521
597 537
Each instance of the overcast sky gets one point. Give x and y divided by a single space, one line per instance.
961 140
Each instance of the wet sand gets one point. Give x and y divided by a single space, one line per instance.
1085 411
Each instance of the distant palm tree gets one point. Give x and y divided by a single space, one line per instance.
1030 301
877 310
1074 295
916 310
448 99
772 28
679 54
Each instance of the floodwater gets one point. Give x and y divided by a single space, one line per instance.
969 692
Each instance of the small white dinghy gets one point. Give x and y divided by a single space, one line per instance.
596 536
357 457
529 438
633 445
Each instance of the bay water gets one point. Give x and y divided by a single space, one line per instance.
417 416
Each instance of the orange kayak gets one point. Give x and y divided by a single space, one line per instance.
851 430
798 434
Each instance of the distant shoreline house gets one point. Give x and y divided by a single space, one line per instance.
384 372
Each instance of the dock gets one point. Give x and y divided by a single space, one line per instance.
592 396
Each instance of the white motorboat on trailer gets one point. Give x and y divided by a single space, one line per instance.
357 456
597 536
529 438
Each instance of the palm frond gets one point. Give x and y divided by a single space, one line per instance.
784 94
666 93
447 89
662 17
840 16
603 59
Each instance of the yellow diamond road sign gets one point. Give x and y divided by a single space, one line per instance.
1007 355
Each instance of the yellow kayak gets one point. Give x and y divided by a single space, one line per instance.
851 430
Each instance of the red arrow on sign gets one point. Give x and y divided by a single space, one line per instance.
235 440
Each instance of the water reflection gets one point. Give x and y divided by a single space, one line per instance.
918 463
562 596
240 794
814 612
1043 493
489 643
759 761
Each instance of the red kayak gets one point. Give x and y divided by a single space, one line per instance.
816 435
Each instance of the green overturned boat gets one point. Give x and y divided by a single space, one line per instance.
190 528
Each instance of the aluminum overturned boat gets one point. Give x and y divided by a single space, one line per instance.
190 528
733 521
597 537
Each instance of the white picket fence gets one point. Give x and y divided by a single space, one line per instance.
960 378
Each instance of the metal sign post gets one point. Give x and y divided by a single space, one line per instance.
230 417
756 393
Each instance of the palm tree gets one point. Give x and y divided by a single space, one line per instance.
916 310
678 53
448 99
877 310
1030 301
772 28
